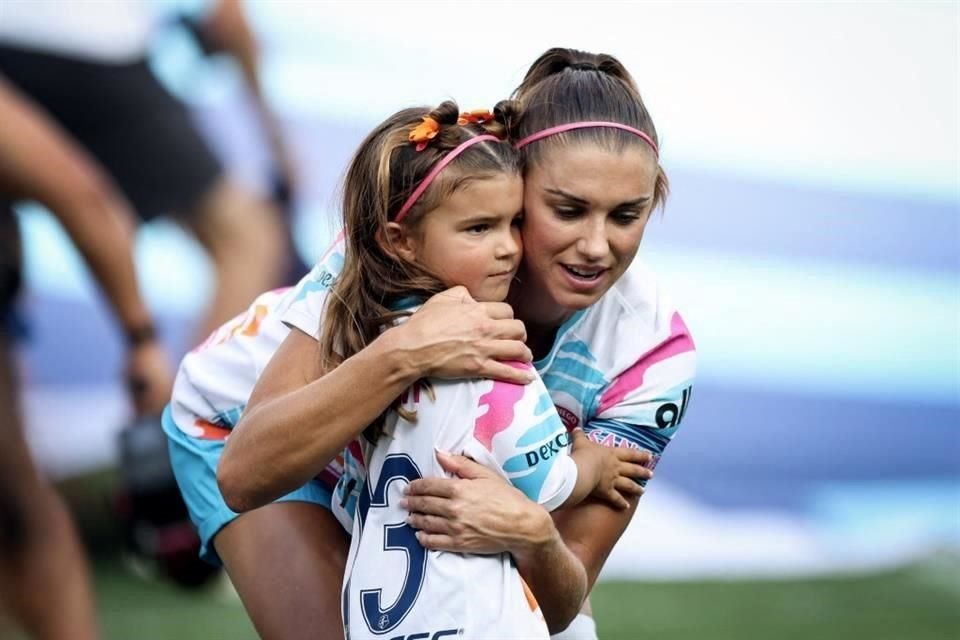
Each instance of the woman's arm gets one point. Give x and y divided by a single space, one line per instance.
296 421
591 529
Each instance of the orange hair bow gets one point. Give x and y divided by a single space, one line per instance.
477 116
424 132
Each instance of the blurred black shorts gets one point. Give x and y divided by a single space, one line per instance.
125 118
11 274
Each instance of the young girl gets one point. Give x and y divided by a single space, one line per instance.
433 201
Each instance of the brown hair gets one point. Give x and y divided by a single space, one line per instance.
383 173
567 85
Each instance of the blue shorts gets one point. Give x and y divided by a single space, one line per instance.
194 463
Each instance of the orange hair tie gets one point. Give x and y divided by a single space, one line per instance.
424 132
477 116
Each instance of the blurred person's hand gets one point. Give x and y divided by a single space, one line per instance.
149 377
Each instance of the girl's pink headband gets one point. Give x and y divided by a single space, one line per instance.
585 125
447 159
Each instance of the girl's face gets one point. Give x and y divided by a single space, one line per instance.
585 212
473 237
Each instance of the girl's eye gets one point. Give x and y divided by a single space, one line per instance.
478 228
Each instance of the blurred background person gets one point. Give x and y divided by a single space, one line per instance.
44 580
85 63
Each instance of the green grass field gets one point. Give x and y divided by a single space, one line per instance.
921 602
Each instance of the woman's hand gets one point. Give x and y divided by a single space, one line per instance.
454 336
479 512
619 469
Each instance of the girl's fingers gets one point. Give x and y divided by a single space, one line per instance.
634 456
628 487
635 471
618 501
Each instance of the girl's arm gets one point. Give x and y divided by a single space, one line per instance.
609 474
296 421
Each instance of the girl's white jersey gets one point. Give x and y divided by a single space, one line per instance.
395 588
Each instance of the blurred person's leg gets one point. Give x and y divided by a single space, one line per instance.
286 561
44 579
245 239
148 143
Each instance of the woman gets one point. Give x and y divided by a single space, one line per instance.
613 353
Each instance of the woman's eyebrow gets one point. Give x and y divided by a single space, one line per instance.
639 202
568 196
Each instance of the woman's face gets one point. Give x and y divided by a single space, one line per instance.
585 211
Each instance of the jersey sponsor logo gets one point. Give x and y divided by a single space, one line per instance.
633 378
324 280
669 414
548 450
426 635
569 418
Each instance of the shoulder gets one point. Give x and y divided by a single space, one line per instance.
303 305
491 405
634 319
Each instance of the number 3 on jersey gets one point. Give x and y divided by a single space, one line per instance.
397 537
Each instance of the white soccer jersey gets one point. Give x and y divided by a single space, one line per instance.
215 380
395 588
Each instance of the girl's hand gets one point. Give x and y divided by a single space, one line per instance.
620 469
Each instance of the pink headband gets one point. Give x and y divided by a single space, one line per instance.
447 159
585 125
